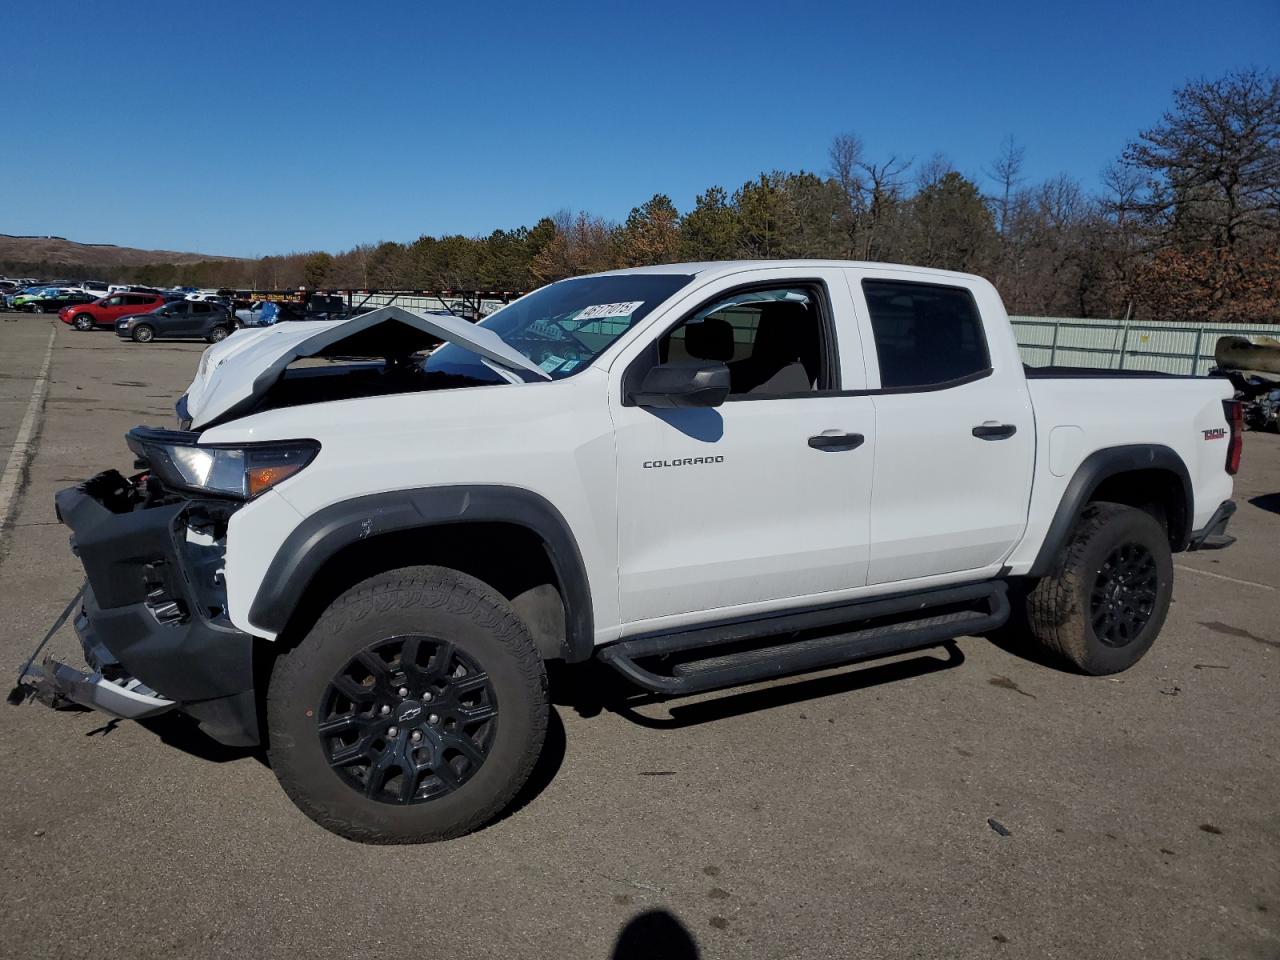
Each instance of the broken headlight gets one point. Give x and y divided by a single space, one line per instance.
241 471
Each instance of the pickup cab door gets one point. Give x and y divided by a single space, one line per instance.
955 431
762 501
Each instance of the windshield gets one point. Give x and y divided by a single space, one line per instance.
564 326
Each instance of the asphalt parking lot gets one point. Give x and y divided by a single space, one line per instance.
847 814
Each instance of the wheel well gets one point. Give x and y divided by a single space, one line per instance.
1157 492
511 559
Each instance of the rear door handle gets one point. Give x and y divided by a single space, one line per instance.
994 431
832 441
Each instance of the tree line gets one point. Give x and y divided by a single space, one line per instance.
1185 225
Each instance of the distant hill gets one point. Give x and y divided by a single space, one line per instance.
56 250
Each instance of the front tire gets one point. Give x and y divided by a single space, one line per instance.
218 334
36 308
143 334
413 711
83 322
1104 603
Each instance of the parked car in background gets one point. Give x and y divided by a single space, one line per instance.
210 298
260 313
8 291
133 288
105 312
50 299
179 319
95 287
12 295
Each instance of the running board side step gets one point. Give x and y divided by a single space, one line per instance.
800 656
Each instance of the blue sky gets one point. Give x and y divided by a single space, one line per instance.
255 128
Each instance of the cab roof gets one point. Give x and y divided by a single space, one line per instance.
715 268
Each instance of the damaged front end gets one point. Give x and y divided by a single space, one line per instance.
153 624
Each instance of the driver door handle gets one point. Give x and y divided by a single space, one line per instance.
994 431
832 441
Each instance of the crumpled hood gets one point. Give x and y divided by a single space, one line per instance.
234 373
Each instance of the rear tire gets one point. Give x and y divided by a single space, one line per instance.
143 334
36 308
1102 606
83 321
424 769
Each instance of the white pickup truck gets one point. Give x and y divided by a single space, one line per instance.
368 535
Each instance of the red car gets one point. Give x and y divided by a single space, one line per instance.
105 312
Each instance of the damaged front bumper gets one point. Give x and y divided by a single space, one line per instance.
154 626
57 684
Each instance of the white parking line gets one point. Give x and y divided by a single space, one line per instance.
1223 576
22 442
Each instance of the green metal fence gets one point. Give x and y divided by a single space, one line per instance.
1185 348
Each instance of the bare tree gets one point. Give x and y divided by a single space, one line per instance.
1006 170
882 190
845 155
362 252
931 172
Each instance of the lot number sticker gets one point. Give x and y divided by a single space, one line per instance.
601 310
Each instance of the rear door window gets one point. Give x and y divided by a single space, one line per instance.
927 335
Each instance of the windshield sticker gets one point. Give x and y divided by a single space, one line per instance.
551 362
569 365
601 310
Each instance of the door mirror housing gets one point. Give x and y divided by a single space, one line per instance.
683 383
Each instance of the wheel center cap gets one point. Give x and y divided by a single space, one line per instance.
408 710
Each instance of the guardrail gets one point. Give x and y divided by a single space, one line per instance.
1184 348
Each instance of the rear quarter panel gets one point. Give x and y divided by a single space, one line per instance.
1078 416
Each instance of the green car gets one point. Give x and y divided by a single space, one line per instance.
49 299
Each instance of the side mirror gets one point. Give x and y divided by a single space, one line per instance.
684 383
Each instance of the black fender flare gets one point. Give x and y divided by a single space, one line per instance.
1097 467
320 536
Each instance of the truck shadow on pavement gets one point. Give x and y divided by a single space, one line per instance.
1267 501
593 688
182 733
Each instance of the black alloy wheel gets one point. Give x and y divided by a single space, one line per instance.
409 719
1104 601
1124 594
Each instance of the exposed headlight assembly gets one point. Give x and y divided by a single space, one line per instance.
242 471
